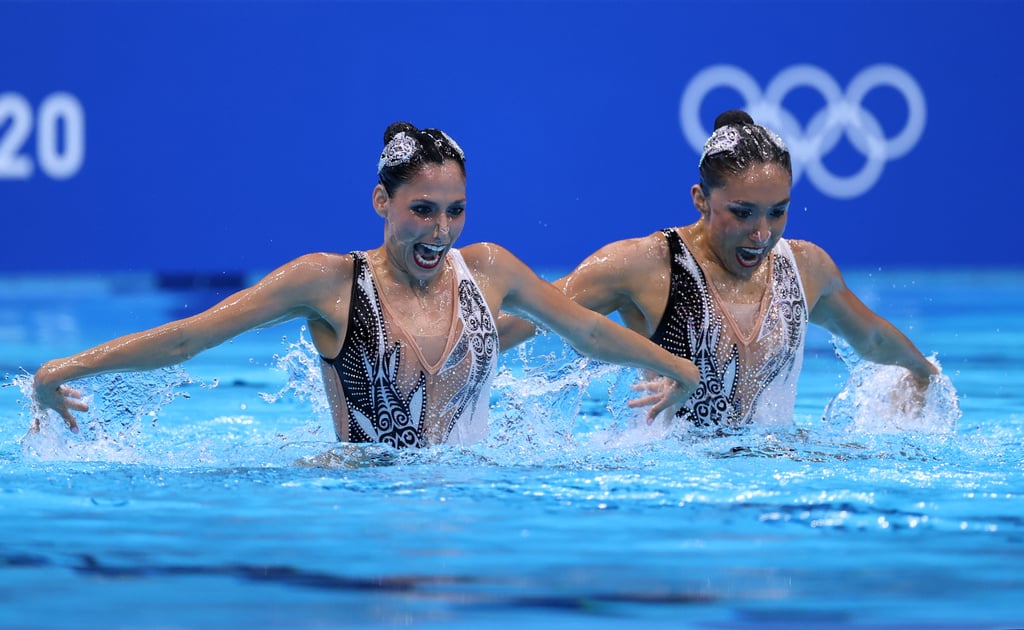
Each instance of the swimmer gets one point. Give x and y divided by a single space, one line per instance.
730 293
405 332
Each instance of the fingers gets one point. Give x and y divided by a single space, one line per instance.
66 400
643 402
68 392
69 420
646 386
655 410
652 385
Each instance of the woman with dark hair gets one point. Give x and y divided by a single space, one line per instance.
729 293
406 333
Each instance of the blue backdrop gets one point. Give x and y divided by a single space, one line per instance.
223 135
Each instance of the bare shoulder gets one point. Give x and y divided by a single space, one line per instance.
313 275
325 263
627 258
817 269
810 256
650 249
485 256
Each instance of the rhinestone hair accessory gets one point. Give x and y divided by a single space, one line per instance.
722 140
725 139
400 150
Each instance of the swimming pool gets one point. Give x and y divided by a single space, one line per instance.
198 502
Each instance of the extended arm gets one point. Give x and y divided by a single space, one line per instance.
283 294
598 284
871 336
591 333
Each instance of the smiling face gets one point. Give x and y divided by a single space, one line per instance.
743 219
423 219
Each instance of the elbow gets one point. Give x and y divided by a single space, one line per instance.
871 347
182 348
591 341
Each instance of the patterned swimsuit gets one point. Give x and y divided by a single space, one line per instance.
383 390
744 379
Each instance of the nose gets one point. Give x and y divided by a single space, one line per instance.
761 233
443 225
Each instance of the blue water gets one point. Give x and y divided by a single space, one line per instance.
215 496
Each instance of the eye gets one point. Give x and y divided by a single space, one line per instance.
778 213
456 210
741 213
422 209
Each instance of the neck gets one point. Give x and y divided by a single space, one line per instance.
396 274
711 260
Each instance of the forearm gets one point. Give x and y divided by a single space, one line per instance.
889 346
147 350
608 341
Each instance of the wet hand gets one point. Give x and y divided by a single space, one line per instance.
909 397
61 399
665 393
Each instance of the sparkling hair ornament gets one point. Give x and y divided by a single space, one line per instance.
726 138
400 150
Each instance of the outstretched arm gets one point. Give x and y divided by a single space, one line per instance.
842 313
591 333
600 283
284 294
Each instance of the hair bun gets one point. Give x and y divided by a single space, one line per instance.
733 117
396 128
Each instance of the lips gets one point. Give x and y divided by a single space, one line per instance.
750 256
428 256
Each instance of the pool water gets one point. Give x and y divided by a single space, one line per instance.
214 495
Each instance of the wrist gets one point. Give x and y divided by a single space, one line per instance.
48 375
924 374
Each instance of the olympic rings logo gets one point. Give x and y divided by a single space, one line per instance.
843 113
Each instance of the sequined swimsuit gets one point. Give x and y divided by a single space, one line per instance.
745 378
383 390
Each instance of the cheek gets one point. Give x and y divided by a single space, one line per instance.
731 230
458 225
405 230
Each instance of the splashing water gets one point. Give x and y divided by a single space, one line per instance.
124 408
883 399
305 380
119 406
549 406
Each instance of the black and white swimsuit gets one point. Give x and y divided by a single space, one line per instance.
383 390
746 377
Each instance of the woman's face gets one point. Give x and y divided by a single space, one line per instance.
745 218
423 219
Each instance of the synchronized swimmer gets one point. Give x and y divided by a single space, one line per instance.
405 332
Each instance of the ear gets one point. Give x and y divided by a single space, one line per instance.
380 200
699 200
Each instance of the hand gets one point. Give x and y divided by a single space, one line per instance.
909 397
667 393
61 399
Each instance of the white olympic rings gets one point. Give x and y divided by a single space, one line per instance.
843 113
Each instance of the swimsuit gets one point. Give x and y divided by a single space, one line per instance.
382 388
745 378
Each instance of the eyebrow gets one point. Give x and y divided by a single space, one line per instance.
748 204
434 204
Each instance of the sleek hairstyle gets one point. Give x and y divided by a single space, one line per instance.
736 144
408 149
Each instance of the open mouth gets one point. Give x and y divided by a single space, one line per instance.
428 256
750 256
